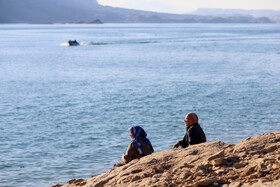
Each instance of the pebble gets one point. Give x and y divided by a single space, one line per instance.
239 165
248 171
234 184
71 181
206 182
217 155
57 185
275 166
263 170
135 178
217 161
220 171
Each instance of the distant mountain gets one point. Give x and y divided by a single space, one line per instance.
227 19
273 15
84 11
226 12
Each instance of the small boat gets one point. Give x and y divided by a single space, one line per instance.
73 43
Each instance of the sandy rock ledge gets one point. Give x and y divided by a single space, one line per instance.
254 162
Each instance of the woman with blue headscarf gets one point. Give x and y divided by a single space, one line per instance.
139 146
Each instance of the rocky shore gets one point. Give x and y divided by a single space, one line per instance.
252 162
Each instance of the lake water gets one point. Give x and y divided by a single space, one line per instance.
65 111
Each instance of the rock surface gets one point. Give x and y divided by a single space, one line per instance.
254 162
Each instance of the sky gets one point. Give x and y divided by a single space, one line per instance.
185 6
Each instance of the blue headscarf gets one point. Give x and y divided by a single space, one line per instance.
139 134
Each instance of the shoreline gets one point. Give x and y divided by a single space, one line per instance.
251 162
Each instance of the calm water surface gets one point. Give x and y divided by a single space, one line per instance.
65 111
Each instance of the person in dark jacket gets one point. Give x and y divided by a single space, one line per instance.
139 146
194 134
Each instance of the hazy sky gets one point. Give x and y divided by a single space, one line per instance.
184 6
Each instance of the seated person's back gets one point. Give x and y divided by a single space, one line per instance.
139 146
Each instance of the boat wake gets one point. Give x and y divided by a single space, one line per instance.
108 43
91 43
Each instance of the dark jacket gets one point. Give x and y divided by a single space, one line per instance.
194 135
133 153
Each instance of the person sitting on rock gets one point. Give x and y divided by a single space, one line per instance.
194 134
139 146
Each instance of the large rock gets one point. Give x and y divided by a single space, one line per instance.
252 162
264 143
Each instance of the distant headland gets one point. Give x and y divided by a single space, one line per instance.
254 161
80 11
95 21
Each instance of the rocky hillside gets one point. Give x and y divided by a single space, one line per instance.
252 162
